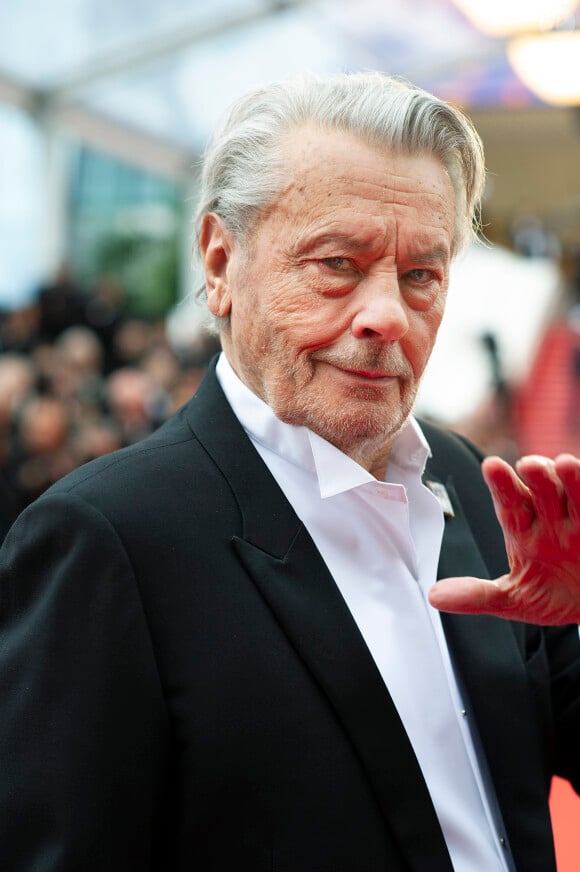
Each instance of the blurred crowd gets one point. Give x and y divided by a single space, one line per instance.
79 377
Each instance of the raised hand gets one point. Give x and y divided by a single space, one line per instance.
539 511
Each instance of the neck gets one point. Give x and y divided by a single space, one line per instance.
372 454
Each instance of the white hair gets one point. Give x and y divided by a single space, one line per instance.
242 170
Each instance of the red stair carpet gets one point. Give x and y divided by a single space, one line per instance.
565 809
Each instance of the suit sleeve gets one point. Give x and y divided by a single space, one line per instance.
83 726
563 651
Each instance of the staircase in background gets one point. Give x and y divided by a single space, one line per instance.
547 421
547 405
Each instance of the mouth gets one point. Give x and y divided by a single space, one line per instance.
371 374
377 374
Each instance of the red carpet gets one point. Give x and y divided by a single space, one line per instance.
565 808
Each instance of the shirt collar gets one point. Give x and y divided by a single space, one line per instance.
335 471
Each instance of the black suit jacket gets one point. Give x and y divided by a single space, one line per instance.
183 687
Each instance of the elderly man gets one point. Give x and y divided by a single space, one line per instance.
219 648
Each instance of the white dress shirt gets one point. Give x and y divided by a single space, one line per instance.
381 543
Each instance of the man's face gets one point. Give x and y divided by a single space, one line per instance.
336 300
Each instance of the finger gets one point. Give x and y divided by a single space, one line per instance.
511 497
505 600
547 491
470 596
568 470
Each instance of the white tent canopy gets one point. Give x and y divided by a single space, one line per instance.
110 70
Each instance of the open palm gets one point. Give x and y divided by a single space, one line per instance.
538 508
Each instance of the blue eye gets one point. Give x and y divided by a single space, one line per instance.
335 263
420 275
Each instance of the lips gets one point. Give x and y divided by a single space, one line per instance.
366 373
384 366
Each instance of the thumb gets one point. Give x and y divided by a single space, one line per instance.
466 595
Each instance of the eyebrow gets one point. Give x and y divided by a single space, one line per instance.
352 243
435 255
346 240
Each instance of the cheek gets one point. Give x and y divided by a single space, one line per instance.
420 339
306 317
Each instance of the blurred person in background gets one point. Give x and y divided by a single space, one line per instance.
78 374
18 380
130 396
132 340
104 312
95 438
20 329
61 302
162 365
219 645
40 453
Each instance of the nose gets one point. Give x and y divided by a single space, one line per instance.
381 311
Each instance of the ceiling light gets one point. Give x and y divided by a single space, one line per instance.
506 17
549 64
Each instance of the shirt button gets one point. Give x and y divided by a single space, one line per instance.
502 841
463 713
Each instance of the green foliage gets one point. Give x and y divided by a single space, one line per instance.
126 222
148 268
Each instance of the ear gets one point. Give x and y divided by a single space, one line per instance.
215 243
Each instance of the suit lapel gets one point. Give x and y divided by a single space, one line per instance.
283 562
315 618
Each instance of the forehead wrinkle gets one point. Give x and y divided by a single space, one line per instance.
371 196
300 151
387 182
374 183
378 193
369 191
355 239
432 211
